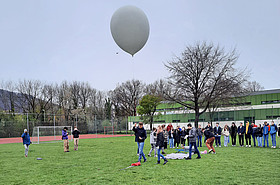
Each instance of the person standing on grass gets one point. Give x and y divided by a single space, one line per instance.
136 140
171 138
26 141
248 132
210 137
199 136
177 137
226 135
265 134
183 134
141 135
160 145
259 134
233 132
65 139
254 127
241 131
192 138
76 134
153 137
217 133
168 128
165 134
273 131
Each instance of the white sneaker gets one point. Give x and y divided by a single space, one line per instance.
249 146
272 147
246 146
216 146
220 146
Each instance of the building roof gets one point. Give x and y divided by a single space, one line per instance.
272 91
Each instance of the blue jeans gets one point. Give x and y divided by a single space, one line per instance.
141 153
199 138
171 141
253 136
193 144
218 140
137 147
159 154
226 140
265 138
259 139
273 138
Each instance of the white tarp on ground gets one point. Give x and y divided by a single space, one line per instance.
177 156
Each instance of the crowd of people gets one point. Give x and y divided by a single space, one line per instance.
163 136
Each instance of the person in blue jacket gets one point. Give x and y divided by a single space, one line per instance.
141 135
26 141
265 134
240 132
217 133
273 130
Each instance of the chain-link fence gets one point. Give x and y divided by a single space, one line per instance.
12 125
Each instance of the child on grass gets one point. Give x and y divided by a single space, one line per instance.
65 139
26 141
153 137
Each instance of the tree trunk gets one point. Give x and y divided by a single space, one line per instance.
151 123
196 118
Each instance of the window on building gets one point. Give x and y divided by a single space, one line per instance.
272 117
176 121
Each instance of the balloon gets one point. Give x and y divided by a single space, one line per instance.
130 29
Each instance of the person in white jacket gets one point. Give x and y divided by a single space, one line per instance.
226 135
153 137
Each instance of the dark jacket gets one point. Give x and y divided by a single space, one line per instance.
176 136
170 134
208 134
217 131
233 130
183 134
76 133
140 132
160 140
241 130
259 132
250 129
209 128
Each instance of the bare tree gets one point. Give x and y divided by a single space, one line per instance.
128 95
28 95
253 86
85 93
203 74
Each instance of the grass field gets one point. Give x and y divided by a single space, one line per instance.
99 161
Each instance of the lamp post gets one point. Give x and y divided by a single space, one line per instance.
44 115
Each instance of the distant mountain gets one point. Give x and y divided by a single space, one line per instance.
5 102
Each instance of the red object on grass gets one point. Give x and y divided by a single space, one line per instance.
136 164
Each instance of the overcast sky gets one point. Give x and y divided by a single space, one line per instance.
52 40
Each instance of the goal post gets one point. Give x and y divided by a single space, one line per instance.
49 134
108 129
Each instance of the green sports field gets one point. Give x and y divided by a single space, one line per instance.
98 161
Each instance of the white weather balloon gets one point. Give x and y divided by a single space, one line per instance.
130 28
